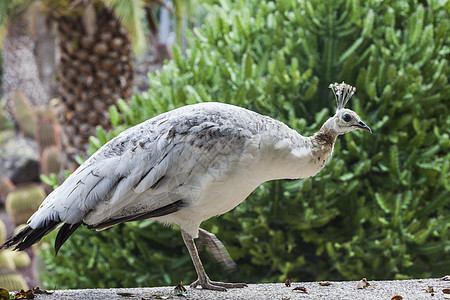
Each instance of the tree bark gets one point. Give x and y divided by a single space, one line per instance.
96 69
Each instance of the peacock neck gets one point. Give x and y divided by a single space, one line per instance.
295 156
326 136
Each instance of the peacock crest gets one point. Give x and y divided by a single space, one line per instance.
342 92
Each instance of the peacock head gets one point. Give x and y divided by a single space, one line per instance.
345 120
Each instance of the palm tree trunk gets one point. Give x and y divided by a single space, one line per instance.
95 70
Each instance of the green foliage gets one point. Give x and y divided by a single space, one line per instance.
140 257
51 180
379 209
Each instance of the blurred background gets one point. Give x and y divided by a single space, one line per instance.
75 74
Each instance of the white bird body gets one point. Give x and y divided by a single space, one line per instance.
183 167
217 153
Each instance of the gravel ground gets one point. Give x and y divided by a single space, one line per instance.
408 289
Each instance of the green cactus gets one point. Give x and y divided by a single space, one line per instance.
46 134
12 281
23 202
23 113
47 112
6 261
50 160
21 259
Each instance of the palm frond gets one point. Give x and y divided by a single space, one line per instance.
131 13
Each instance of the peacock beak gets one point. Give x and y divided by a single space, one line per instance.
363 126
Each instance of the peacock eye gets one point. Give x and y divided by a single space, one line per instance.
346 117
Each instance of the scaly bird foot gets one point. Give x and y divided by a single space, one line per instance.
216 285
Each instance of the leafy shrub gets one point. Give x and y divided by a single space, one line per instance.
379 209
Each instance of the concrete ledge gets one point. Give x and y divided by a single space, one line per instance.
408 289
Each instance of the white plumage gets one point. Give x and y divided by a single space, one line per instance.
183 167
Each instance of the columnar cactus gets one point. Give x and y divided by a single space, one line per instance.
46 134
9 261
20 259
47 112
23 113
6 261
12 281
23 202
51 160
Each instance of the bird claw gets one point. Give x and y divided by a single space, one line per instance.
216 285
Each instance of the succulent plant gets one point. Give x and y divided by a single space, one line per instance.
12 281
51 160
23 113
21 203
46 111
6 261
21 259
46 134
